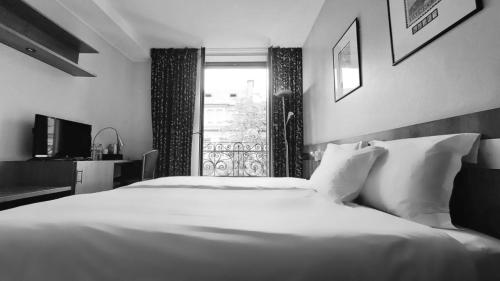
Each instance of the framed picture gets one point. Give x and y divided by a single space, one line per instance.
415 23
347 63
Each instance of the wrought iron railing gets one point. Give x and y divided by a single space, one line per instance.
235 159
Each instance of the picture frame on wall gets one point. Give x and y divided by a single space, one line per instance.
415 23
347 63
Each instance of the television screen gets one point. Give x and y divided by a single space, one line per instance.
58 138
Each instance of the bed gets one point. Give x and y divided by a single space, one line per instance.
221 229
483 249
201 228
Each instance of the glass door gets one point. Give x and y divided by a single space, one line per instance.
235 130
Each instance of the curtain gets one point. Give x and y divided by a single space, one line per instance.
197 145
285 65
173 96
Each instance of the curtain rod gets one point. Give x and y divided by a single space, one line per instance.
236 51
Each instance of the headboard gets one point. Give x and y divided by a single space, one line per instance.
475 201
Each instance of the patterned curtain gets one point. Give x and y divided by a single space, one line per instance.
173 96
285 66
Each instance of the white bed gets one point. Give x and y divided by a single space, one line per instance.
483 249
189 228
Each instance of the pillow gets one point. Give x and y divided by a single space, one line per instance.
318 155
353 146
342 172
473 156
414 180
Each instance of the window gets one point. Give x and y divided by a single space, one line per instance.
235 136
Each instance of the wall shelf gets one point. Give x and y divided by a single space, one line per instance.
28 31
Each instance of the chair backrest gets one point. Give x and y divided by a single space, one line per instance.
149 160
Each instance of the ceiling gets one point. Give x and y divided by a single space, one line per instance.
133 26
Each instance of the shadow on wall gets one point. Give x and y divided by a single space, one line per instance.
12 130
308 104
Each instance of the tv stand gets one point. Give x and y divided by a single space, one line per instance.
25 182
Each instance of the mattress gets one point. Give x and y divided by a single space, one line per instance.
221 229
484 250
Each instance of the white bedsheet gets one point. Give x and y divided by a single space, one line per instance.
222 229
484 250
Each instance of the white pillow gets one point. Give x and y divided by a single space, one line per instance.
342 172
318 155
414 179
353 146
473 155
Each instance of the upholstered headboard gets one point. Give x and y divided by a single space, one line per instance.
475 201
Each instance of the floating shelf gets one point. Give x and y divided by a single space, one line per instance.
28 31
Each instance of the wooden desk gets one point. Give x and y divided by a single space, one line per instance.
7 195
22 181
25 182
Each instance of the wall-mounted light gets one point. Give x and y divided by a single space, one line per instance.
317 155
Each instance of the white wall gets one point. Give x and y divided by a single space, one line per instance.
118 97
458 73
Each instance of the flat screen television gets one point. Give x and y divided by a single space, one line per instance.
60 139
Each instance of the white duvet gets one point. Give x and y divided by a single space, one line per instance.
230 229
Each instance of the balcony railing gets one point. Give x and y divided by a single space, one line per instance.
235 159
